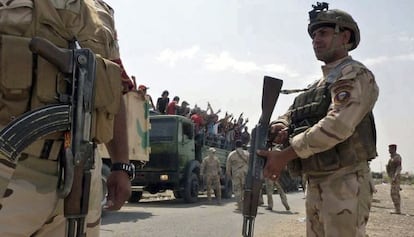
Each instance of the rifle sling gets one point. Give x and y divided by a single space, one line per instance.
242 157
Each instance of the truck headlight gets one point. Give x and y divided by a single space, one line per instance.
164 177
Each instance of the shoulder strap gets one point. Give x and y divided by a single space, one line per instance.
242 156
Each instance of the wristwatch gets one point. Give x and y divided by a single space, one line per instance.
128 168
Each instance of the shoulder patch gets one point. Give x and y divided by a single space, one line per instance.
342 97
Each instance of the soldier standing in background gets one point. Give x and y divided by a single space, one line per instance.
394 173
210 171
270 185
331 131
236 168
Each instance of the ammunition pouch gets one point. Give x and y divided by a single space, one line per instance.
15 77
28 82
108 90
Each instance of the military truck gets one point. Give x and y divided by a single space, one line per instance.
175 159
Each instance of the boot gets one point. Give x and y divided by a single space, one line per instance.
287 207
397 209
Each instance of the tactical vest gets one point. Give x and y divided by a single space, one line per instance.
392 166
28 81
310 107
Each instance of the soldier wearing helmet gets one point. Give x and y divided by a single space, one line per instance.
329 132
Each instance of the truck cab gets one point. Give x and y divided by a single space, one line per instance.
174 162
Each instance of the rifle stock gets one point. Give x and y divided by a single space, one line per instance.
254 178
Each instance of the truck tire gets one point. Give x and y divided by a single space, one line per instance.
227 190
135 197
191 188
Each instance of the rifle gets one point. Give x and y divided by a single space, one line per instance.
73 116
254 178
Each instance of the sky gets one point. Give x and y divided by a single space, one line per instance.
218 51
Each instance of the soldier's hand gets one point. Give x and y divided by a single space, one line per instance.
279 133
276 161
119 190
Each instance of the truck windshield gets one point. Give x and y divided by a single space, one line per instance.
163 130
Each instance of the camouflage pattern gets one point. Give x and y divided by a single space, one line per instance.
236 168
30 206
210 171
338 201
394 173
270 185
348 107
32 202
338 204
139 125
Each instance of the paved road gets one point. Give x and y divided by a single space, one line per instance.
168 217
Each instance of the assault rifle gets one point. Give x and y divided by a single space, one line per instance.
254 178
72 116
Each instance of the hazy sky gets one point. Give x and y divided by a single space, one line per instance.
219 51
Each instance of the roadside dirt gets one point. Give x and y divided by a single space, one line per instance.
381 223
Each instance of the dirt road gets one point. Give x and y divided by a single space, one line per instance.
381 222
165 216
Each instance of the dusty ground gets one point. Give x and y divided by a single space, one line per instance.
381 222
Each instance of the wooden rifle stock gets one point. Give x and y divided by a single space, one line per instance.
254 178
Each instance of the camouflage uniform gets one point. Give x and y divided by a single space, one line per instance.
332 131
30 206
394 173
236 168
210 171
339 198
270 185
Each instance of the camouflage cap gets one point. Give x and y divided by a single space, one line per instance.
212 150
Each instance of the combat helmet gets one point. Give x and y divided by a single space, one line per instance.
321 16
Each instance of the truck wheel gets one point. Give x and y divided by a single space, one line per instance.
135 196
191 189
227 191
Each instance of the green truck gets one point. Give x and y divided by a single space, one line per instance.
175 159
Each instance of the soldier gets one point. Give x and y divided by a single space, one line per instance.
331 132
30 205
210 172
394 172
270 185
236 168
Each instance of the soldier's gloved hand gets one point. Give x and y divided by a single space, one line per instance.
279 133
119 190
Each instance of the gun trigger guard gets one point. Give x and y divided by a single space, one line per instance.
66 179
